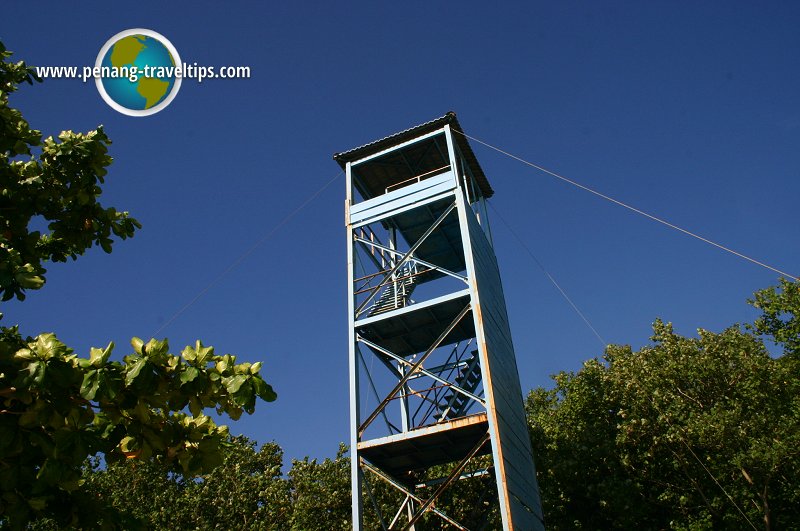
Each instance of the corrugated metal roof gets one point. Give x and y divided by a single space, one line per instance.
384 143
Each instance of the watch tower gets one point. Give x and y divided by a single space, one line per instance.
434 385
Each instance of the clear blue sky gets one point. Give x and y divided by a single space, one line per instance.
690 111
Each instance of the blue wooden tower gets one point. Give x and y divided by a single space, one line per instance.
434 386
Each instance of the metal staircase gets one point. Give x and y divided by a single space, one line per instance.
454 403
397 293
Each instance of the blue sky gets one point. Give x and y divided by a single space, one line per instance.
689 111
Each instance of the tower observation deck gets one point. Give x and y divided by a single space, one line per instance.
435 397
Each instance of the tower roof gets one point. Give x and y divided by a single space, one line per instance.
398 138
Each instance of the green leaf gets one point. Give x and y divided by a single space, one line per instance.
204 354
47 346
38 503
142 412
134 370
128 444
189 354
195 406
24 355
233 383
90 385
100 356
137 345
29 280
264 390
156 349
32 417
189 374
54 472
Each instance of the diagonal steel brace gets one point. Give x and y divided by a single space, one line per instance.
454 475
413 370
405 258
399 486
424 371
364 242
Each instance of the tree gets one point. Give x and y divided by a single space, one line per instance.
245 492
57 408
248 492
780 318
686 433
60 185
582 481
321 493
60 408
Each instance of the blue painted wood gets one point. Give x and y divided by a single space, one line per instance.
511 424
407 196
412 308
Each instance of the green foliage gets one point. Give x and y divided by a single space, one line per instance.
321 493
573 429
57 408
321 498
780 319
471 502
60 408
687 433
245 492
248 492
56 181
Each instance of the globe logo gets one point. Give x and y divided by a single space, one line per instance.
139 72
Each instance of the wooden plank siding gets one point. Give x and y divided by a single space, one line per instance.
506 393
405 198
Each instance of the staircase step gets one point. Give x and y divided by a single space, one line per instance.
396 294
455 404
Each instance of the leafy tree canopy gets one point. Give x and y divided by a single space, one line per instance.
780 319
59 184
57 408
686 433
246 491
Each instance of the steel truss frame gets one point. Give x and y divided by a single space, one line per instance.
426 505
405 258
453 386
414 505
